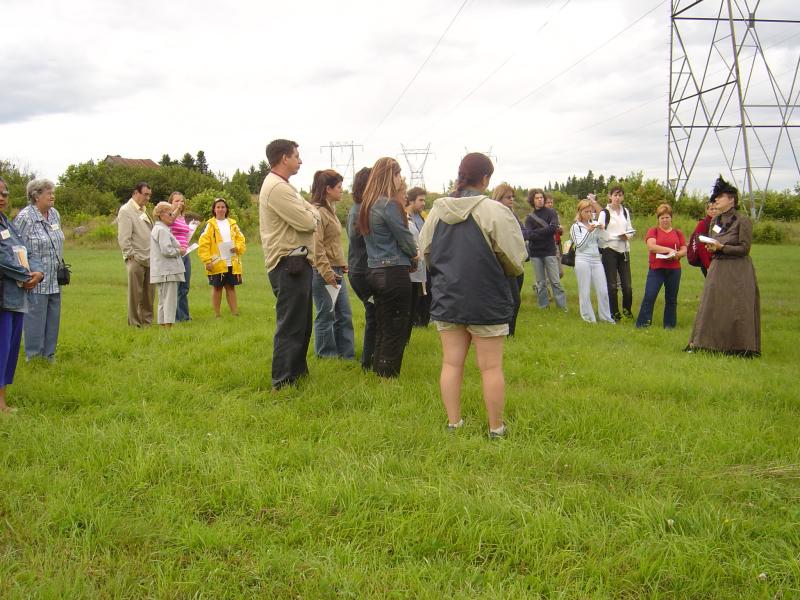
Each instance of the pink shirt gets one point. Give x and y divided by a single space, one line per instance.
180 230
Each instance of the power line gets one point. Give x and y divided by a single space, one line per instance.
419 70
492 74
580 60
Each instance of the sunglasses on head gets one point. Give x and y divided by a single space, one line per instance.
4 194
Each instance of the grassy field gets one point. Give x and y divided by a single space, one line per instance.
159 464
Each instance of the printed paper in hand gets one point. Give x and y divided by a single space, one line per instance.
664 256
333 291
225 250
705 239
191 248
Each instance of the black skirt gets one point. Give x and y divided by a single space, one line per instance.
223 279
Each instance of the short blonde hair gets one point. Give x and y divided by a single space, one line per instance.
161 208
501 190
582 205
663 209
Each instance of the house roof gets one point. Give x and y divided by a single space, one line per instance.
131 162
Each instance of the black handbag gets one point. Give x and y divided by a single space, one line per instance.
63 272
568 257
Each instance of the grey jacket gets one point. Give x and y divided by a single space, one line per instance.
165 253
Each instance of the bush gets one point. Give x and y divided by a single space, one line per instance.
766 232
102 233
85 199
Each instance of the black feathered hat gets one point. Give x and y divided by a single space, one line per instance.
723 187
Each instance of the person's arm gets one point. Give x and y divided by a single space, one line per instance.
426 236
125 232
400 231
741 247
239 242
537 231
292 208
165 246
654 246
681 245
321 262
204 246
506 239
580 234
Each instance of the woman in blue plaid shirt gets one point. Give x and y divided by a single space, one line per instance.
39 225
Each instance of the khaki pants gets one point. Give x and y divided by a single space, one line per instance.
140 294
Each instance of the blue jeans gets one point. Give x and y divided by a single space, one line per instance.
333 325
182 314
544 268
41 325
671 280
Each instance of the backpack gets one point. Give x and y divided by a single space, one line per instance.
692 255
625 212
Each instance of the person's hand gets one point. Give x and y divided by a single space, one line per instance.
591 226
331 280
345 269
233 250
209 267
36 278
713 247
624 237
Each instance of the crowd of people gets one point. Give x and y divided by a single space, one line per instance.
459 266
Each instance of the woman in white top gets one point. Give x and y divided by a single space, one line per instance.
588 266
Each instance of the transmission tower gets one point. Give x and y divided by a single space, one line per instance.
728 88
343 158
492 156
416 165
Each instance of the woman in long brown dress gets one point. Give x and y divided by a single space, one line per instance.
729 316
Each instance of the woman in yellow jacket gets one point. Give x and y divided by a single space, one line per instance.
221 246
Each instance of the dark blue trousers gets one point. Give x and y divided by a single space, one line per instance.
671 280
10 338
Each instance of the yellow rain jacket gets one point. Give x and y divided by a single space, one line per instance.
208 248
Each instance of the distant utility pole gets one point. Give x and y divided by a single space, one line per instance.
488 153
725 86
416 165
346 151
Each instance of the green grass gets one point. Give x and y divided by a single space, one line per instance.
158 464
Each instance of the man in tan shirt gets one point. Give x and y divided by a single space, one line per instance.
287 224
133 234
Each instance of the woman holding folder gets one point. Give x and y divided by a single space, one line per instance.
729 316
221 245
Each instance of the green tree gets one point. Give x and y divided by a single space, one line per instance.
188 162
238 189
201 164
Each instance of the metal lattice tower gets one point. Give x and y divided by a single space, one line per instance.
728 88
416 165
492 156
343 158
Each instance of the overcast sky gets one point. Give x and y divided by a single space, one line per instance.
87 78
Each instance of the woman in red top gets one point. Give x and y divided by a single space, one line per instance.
702 229
667 246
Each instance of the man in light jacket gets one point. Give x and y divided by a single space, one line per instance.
133 234
287 224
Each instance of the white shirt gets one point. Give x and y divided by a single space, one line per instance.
225 231
618 226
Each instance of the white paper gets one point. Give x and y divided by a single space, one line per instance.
333 291
706 240
192 227
194 246
664 256
225 250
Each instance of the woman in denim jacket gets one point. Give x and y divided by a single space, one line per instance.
16 280
391 254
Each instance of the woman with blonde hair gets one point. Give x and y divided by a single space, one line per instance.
391 254
183 233
667 247
588 266
333 324
504 194
166 263
221 246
